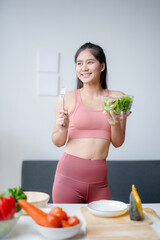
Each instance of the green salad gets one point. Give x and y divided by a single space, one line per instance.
118 104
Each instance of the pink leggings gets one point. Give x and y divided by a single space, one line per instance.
79 180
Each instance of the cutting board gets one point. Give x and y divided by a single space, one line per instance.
117 228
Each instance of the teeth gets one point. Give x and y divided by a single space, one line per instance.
86 74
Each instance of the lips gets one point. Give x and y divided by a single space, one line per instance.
86 75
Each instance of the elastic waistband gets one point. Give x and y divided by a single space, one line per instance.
101 161
81 169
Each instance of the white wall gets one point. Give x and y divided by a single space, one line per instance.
129 32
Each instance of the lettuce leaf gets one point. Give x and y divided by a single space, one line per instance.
118 105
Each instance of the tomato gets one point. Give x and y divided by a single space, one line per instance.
73 221
65 224
55 209
62 215
65 220
59 213
54 221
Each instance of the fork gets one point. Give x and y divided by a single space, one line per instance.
62 93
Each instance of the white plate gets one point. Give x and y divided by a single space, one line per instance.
59 233
107 208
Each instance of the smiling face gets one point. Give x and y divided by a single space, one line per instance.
88 68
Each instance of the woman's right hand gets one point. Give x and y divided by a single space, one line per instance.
62 120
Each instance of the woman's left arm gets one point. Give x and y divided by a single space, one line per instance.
118 124
118 127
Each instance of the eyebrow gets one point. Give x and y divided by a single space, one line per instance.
90 59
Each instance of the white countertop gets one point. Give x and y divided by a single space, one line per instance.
26 227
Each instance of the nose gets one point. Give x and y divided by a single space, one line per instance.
84 67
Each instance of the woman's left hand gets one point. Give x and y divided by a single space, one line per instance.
114 119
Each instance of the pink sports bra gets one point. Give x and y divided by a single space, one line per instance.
87 123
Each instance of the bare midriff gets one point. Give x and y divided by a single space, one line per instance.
88 148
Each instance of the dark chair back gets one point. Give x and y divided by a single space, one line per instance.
144 174
38 175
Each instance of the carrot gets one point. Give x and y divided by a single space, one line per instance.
39 216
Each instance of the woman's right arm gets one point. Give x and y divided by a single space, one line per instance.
60 132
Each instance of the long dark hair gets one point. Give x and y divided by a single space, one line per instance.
98 53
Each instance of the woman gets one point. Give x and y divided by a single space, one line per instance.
81 175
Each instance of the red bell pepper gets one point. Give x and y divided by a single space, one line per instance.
1 218
7 207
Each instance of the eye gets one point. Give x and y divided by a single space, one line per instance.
79 63
90 62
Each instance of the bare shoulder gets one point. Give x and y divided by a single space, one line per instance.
115 92
70 95
70 100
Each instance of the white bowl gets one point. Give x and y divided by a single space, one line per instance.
38 199
118 103
107 208
59 233
7 226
